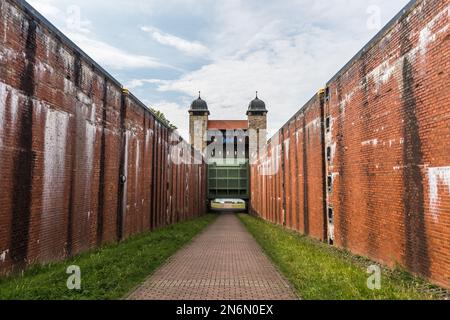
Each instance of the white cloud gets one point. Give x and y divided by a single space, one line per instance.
286 51
73 25
112 57
286 70
46 8
136 83
193 48
74 20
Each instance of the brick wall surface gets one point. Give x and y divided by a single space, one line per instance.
67 134
389 148
290 176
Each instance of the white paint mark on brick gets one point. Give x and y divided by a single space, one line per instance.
92 117
125 165
88 73
15 12
43 69
67 58
346 100
148 136
437 176
426 36
297 134
334 175
5 30
3 256
55 141
286 146
51 46
91 131
14 108
47 45
333 151
315 124
383 73
69 87
138 154
86 132
373 142
424 39
391 142
84 99
7 54
387 69
3 97
13 96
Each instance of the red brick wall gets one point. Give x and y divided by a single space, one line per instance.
389 111
67 133
292 180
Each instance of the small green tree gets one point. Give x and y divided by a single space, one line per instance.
163 118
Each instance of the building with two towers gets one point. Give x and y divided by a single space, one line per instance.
228 146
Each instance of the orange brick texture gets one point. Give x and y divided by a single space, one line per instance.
68 135
374 148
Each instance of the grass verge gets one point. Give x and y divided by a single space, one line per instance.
106 273
318 271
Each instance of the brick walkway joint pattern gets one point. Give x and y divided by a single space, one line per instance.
222 263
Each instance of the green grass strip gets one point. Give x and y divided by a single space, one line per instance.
320 272
106 273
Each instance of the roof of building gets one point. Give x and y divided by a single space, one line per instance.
228 125
257 105
199 105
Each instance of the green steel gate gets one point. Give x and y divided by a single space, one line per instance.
229 180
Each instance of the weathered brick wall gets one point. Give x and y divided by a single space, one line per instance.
67 134
290 177
389 149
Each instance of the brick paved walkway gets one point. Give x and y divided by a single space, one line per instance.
222 263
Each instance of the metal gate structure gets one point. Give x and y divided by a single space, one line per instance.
229 180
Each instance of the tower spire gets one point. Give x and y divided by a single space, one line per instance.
256 94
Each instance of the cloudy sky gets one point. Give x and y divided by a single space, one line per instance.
165 51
